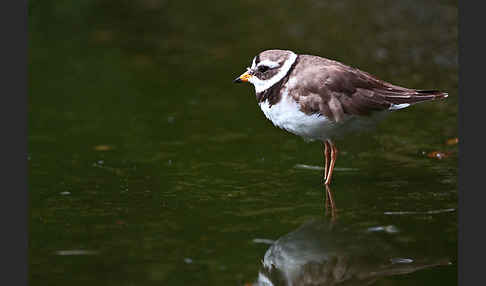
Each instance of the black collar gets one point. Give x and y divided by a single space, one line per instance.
273 93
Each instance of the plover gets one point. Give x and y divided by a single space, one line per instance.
321 99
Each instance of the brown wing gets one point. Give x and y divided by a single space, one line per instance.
341 90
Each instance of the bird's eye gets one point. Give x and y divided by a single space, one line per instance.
263 68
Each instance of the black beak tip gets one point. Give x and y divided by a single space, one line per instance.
237 80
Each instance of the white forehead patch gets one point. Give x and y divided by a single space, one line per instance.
261 85
253 63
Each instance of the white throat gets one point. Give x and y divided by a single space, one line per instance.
262 85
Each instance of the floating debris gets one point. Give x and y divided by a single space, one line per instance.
425 212
319 168
400 260
76 252
103 147
452 141
263 240
65 193
188 260
308 167
438 155
387 229
339 169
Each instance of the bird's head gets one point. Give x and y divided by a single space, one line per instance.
268 68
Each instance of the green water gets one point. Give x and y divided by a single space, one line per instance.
147 166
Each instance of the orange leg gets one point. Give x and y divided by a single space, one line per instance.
325 151
330 154
334 153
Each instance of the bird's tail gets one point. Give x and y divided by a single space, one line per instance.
404 98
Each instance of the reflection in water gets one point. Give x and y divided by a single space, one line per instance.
325 253
330 205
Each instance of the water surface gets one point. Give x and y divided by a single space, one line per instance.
147 166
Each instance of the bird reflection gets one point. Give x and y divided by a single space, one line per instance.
330 206
325 253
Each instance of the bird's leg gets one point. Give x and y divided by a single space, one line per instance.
330 202
325 151
326 203
334 152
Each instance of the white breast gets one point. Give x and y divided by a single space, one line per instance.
287 115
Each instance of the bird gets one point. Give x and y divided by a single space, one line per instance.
321 99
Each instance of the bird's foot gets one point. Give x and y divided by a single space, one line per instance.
323 179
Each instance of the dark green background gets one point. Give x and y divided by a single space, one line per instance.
193 171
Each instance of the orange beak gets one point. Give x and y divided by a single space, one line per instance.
243 78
